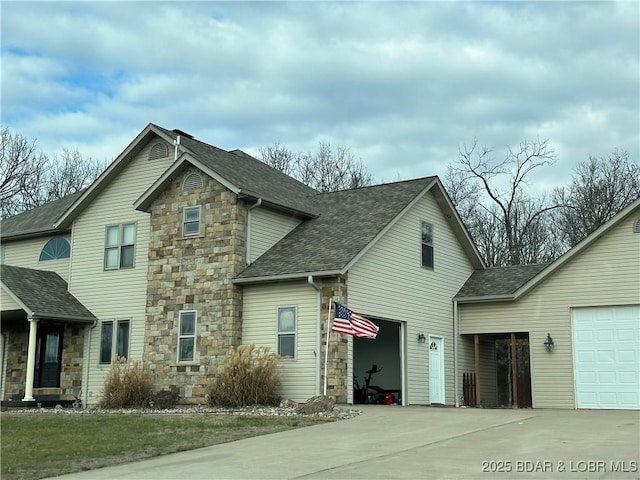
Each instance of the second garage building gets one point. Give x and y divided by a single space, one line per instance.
562 335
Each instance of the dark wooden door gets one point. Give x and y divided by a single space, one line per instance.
48 357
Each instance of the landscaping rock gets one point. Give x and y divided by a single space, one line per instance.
317 404
287 403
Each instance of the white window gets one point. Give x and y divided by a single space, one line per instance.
120 246
114 340
187 336
287 332
427 245
191 221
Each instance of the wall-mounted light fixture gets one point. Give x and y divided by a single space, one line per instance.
422 338
548 343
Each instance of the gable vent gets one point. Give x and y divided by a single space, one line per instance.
159 150
636 226
192 182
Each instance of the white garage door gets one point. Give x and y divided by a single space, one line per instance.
606 357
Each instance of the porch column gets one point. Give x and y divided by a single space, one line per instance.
514 371
476 348
31 360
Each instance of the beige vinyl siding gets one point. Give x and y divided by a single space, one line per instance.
605 273
389 282
488 373
7 303
267 227
114 294
26 253
299 376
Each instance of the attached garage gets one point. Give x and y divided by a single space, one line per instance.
581 315
606 355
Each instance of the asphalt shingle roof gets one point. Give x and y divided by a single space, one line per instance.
498 281
37 220
252 176
348 222
44 293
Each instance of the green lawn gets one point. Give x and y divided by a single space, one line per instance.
38 446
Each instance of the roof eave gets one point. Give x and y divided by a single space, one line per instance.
113 170
67 318
585 243
286 277
143 203
458 226
33 234
485 299
276 206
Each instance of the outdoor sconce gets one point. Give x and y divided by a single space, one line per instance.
422 338
548 344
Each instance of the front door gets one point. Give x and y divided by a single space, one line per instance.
48 357
436 370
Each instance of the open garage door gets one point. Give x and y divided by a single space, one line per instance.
606 356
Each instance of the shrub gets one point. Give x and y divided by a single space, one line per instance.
247 376
126 385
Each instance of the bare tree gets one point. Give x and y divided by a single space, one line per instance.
29 178
279 157
599 188
327 170
509 227
21 169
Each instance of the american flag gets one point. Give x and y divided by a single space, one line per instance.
349 322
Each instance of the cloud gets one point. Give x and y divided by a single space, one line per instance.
401 84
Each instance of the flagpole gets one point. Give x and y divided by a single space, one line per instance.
326 349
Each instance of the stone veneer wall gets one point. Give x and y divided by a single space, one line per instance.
72 352
337 373
16 353
193 273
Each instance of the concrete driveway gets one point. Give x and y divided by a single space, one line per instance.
392 442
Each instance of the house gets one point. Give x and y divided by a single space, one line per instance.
180 250
563 335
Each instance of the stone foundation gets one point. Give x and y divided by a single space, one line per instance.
337 372
16 358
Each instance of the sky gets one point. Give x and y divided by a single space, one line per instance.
402 85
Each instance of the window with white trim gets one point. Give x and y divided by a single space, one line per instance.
187 336
287 332
114 340
427 244
119 248
191 221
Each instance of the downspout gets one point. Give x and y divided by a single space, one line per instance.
318 351
456 333
255 205
87 364
3 365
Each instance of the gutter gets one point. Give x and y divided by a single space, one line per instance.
488 298
285 277
317 352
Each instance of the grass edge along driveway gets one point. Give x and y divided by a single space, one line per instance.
35 446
